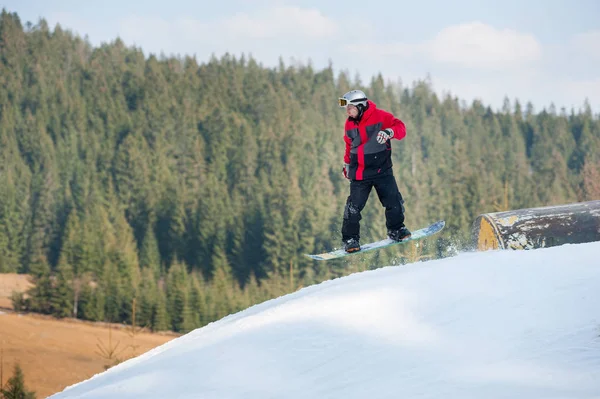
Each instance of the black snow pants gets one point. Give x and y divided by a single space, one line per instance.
389 196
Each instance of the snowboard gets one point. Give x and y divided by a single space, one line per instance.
388 242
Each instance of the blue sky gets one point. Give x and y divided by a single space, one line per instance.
539 51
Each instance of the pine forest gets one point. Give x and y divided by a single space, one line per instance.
161 191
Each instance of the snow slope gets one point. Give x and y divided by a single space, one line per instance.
502 324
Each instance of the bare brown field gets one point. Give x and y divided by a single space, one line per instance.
57 353
10 282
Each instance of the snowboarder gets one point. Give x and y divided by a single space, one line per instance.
368 164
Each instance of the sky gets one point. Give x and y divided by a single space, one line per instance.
498 324
539 51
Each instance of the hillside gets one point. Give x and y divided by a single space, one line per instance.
499 324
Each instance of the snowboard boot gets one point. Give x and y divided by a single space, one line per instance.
351 245
400 234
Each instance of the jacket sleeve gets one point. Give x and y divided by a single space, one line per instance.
347 152
390 121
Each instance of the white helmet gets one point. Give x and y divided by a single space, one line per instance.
354 97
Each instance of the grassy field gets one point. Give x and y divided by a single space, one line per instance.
57 353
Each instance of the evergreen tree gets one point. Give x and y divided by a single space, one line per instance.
149 254
161 320
11 225
15 387
40 223
97 308
198 306
113 292
147 298
41 292
178 304
591 181
64 301
223 292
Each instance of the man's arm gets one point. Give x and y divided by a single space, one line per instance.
390 121
348 142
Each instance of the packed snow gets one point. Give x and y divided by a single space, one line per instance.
498 324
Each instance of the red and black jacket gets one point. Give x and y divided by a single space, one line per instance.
366 157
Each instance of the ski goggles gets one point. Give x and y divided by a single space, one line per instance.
343 102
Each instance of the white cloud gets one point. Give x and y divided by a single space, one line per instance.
471 45
241 30
482 46
478 61
266 34
287 21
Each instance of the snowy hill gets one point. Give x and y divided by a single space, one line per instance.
503 324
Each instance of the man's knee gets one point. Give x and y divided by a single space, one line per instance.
351 211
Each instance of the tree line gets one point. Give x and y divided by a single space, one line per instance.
196 188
